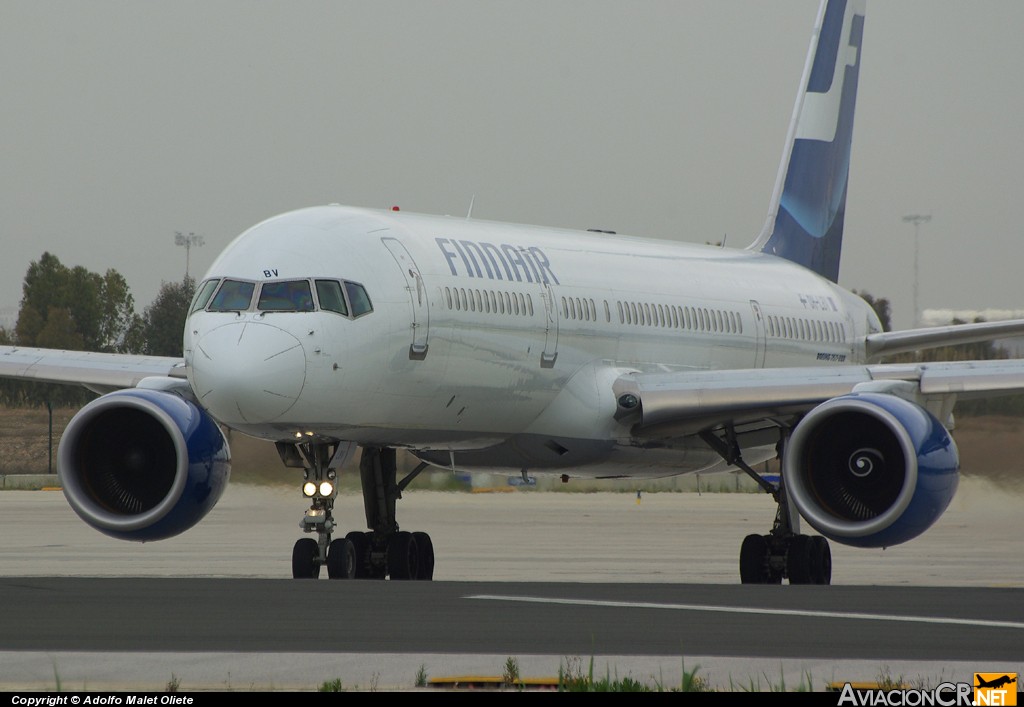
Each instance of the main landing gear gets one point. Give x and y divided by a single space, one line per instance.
784 552
766 559
384 550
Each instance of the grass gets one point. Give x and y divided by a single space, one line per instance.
334 685
511 675
571 678
806 684
574 676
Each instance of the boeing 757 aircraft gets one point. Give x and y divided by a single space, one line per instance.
483 346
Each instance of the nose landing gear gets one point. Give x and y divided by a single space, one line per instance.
384 550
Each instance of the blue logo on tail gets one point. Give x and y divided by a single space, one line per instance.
808 224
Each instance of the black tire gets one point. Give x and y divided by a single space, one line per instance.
798 560
821 560
425 552
306 559
774 576
341 559
361 553
403 556
754 560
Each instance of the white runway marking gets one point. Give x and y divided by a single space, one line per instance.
748 610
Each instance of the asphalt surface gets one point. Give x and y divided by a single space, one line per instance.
645 588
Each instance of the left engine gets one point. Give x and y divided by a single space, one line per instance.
143 464
870 469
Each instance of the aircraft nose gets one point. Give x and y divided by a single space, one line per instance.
248 372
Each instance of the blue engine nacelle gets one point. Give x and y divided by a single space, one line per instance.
870 469
143 464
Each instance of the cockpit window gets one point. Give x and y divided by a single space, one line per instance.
203 295
330 296
359 299
233 296
290 296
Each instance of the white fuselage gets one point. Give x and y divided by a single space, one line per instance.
493 345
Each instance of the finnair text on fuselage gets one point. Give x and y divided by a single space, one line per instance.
497 262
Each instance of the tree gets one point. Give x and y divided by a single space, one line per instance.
59 332
159 331
68 308
95 311
30 323
881 307
117 311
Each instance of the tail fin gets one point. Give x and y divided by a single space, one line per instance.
805 219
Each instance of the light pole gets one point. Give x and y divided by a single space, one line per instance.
917 220
188 241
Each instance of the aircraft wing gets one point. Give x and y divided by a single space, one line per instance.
892 342
669 404
99 372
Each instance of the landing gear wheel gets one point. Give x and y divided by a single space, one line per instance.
306 559
754 560
425 556
403 556
821 560
798 560
376 558
341 559
361 553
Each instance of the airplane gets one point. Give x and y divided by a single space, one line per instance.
480 346
997 682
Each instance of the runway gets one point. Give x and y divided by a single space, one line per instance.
644 589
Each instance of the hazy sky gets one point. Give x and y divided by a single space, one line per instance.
125 121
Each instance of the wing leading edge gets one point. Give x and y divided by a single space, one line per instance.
670 404
893 342
99 372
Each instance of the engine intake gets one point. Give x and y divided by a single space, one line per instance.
870 469
143 464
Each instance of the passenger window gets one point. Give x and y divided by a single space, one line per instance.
291 296
358 298
330 296
203 295
233 296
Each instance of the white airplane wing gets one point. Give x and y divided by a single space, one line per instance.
99 372
671 404
892 342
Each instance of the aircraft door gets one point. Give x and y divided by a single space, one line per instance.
759 334
417 296
550 353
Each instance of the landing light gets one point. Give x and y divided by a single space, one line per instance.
326 488
309 488
628 401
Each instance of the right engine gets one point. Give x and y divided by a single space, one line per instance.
870 469
142 464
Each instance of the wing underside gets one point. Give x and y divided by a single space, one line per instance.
99 372
667 405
